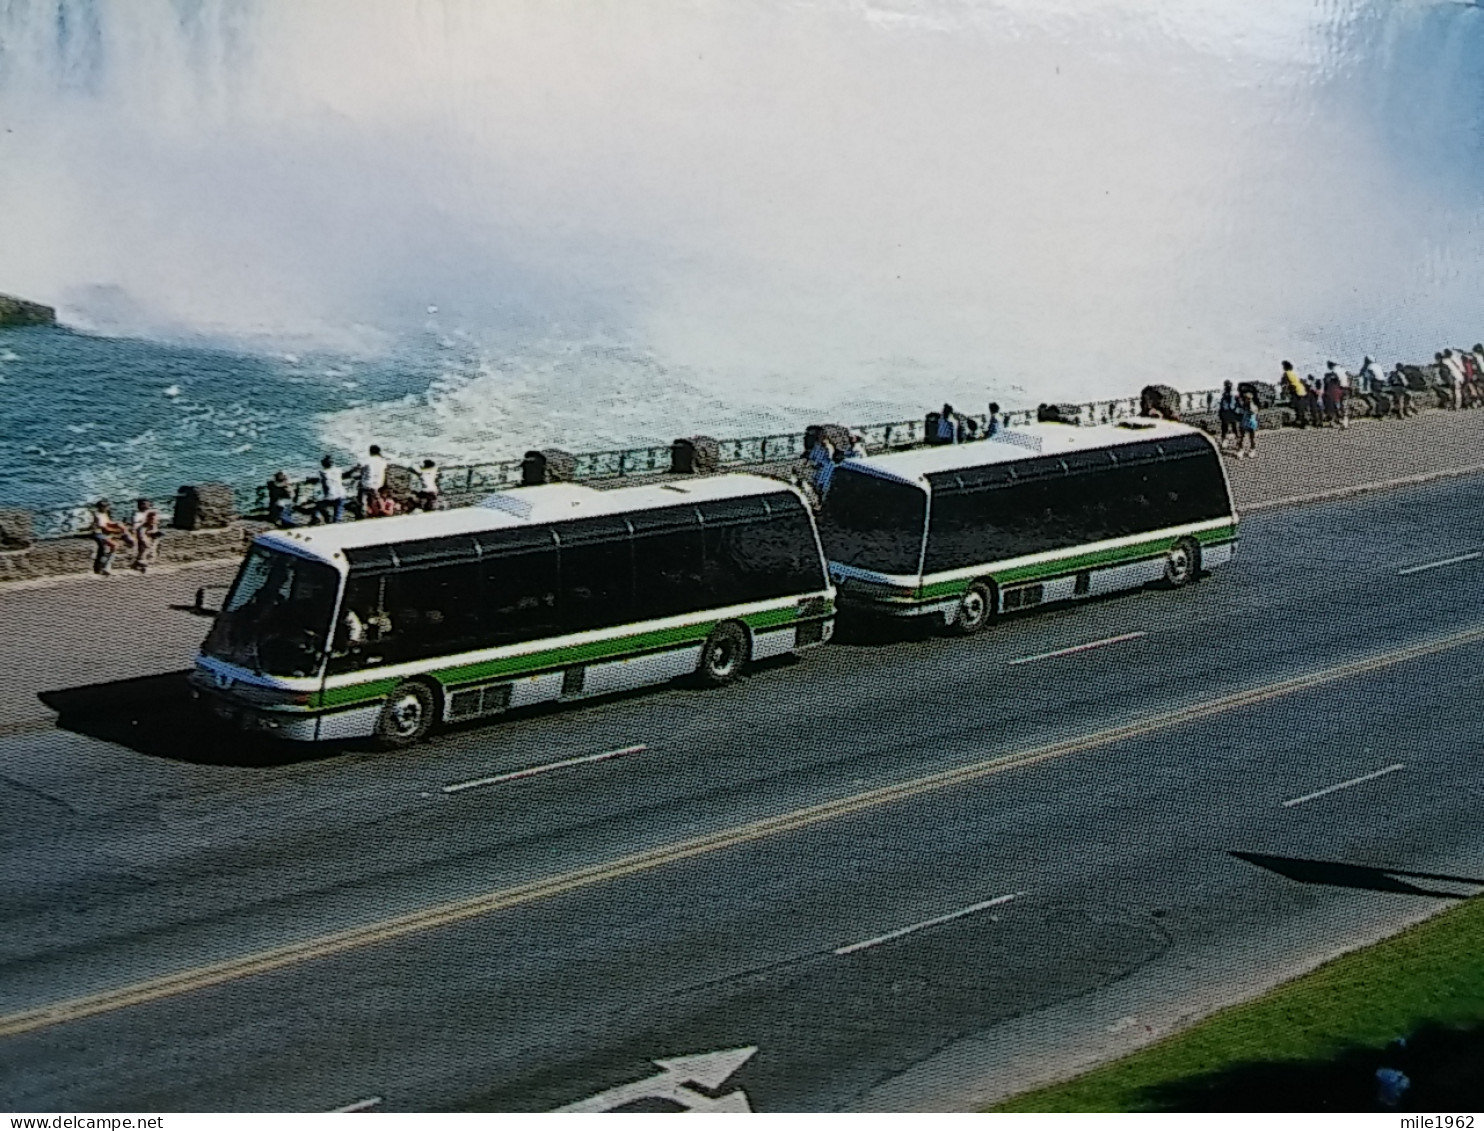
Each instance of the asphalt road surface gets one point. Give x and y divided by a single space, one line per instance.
917 872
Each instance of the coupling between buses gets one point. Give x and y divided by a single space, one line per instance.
386 629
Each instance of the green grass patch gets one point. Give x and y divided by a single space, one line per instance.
1314 1043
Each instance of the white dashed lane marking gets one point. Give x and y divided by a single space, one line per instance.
952 915
1078 648
1291 802
532 771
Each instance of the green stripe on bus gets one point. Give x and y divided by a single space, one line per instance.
552 659
1076 563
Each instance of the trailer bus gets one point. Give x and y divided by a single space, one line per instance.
1044 513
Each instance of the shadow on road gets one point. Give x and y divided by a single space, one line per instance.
1337 874
1442 1066
155 715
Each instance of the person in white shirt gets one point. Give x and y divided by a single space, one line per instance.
1452 376
1342 400
372 471
332 491
427 485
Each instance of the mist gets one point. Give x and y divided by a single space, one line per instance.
747 208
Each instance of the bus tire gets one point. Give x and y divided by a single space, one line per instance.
975 609
406 716
724 654
1183 563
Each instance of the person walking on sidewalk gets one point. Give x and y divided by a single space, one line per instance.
1338 405
108 534
372 471
1247 425
331 505
144 525
1229 413
1452 378
1373 383
1297 394
1401 395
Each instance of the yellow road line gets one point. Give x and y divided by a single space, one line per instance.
454 911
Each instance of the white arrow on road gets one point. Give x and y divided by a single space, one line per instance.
709 1070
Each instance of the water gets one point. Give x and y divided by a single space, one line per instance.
464 229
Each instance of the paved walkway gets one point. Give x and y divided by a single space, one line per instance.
78 630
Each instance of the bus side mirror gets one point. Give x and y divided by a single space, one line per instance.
202 608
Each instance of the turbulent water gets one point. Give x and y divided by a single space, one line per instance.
462 228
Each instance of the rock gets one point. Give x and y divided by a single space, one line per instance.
204 506
1163 400
18 312
1058 413
1419 379
16 529
549 465
695 455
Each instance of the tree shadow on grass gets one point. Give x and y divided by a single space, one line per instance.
1445 1067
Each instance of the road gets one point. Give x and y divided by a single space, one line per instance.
916 873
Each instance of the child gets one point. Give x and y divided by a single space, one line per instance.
1247 419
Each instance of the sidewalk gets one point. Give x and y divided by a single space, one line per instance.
77 630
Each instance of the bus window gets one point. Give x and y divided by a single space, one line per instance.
597 574
873 523
276 618
667 573
430 612
520 596
762 559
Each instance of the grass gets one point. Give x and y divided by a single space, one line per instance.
1315 1043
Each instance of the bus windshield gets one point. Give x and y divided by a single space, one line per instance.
277 615
873 523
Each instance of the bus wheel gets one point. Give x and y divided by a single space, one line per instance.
974 609
1183 563
406 716
725 654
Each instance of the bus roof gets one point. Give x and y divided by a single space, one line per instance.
1026 442
519 506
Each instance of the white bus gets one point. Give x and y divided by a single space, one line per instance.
382 628
1045 513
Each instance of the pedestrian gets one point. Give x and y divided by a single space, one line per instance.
281 500
372 472
822 461
992 423
1297 394
1333 396
948 426
1401 395
1339 407
1313 402
1247 425
1471 378
1452 378
857 448
331 505
107 534
144 526
427 485
1373 382
1229 412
